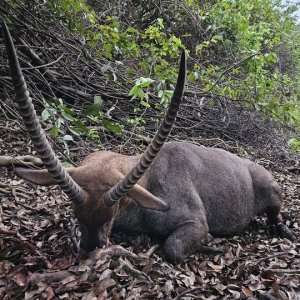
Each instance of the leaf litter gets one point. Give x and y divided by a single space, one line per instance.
38 257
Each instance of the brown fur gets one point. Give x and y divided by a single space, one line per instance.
207 191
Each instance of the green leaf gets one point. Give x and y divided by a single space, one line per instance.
271 58
144 82
54 132
68 116
68 111
45 114
165 96
137 92
145 104
160 22
294 144
94 109
74 131
112 127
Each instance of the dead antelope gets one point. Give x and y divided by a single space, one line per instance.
187 193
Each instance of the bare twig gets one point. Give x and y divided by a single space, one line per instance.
152 250
45 65
26 160
111 251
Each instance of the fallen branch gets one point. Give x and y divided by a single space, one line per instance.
35 59
45 65
4 191
279 254
26 160
111 251
130 269
48 277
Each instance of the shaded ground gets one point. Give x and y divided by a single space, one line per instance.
37 260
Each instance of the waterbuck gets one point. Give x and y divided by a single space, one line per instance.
176 191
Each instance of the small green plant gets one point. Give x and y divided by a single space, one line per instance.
64 119
294 144
164 94
138 90
56 113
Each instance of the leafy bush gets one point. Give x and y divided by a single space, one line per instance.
230 32
246 51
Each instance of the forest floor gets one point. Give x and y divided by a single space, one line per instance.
38 261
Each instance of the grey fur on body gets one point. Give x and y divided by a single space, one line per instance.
207 190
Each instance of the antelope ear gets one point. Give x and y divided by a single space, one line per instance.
147 200
40 177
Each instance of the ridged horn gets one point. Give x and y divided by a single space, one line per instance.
36 133
124 186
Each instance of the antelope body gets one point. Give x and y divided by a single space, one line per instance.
178 192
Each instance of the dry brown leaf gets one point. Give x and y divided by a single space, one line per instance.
20 279
247 292
215 266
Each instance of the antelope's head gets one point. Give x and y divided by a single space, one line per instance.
103 178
